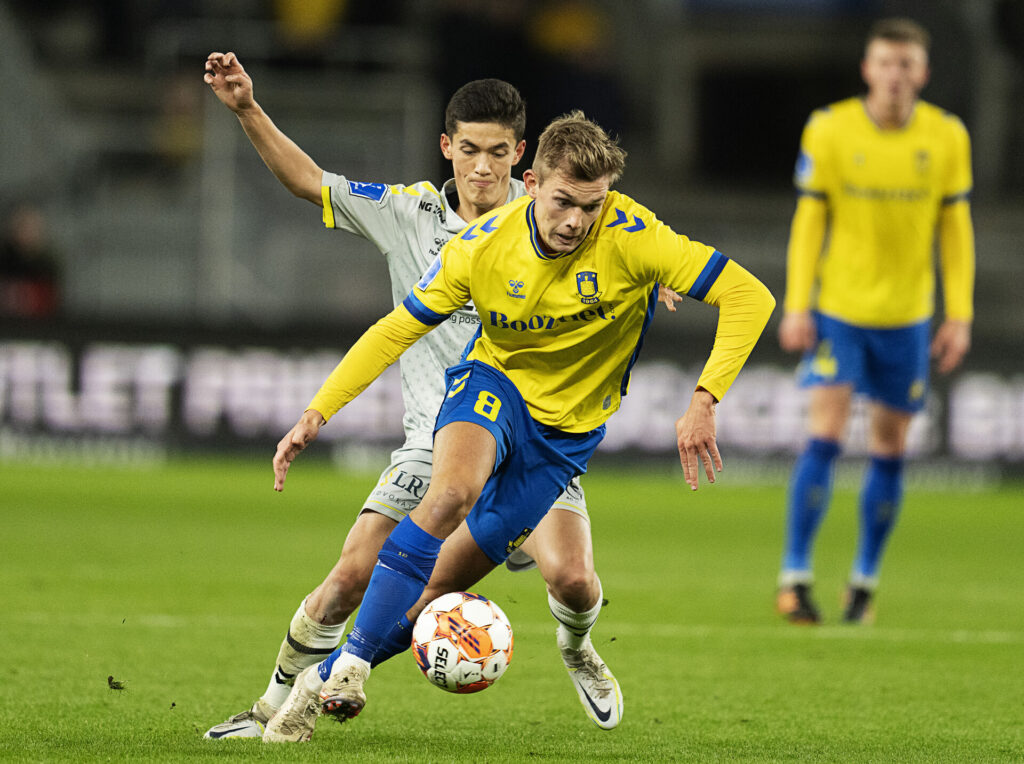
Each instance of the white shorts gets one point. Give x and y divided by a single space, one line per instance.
402 485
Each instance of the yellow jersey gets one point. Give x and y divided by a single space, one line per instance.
885 192
567 328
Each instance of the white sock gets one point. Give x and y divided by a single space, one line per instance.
348 659
574 628
307 643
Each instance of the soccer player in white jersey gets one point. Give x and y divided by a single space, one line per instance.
484 125
565 281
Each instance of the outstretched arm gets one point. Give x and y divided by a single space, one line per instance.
291 165
744 306
378 348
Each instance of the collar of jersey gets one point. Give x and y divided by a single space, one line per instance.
888 130
531 223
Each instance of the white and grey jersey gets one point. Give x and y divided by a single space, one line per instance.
409 225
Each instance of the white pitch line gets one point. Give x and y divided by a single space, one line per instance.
606 629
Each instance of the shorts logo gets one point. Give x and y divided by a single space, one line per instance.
373 191
586 286
824 363
916 391
458 384
517 542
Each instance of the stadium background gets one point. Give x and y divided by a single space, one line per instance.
202 305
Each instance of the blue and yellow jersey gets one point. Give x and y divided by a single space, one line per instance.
566 329
884 194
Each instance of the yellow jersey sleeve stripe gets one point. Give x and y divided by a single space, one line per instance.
325 194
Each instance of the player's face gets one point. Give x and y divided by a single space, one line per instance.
565 208
894 72
482 155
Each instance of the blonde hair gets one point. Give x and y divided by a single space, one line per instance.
580 148
900 30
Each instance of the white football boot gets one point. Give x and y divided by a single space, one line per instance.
249 723
599 691
342 694
295 721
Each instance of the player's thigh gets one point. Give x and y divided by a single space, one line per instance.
460 565
887 436
829 411
898 367
463 461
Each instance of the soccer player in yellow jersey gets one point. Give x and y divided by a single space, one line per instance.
484 124
565 282
877 177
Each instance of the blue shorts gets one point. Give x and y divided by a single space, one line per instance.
534 462
887 365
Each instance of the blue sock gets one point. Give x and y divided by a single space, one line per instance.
324 667
880 500
397 641
403 568
810 491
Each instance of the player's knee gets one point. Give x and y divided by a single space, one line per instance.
449 505
574 585
343 589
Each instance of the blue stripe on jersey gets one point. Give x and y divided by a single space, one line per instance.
708 276
813 194
421 312
652 303
531 223
472 341
954 198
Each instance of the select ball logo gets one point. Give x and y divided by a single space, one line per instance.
462 642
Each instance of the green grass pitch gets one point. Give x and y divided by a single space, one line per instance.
179 581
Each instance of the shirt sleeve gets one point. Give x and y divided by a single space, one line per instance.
956 231
744 306
959 179
444 288
812 175
703 273
806 239
956 261
378 348
371 210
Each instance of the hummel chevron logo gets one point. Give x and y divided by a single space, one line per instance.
622 217
486 227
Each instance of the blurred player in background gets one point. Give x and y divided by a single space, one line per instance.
483 138
877 177
565 282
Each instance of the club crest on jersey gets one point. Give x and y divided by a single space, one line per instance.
586 286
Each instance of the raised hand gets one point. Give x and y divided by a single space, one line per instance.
229 82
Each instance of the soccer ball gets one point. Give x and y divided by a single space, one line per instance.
462 642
